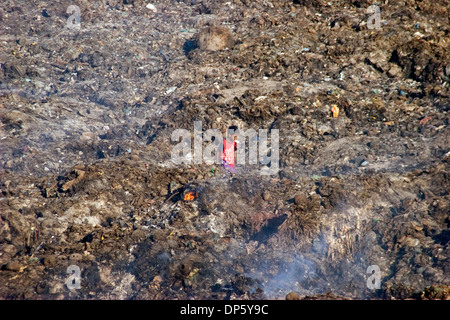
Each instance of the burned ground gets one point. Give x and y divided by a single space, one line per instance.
86 117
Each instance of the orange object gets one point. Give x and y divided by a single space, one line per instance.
190 196
425 120
335 110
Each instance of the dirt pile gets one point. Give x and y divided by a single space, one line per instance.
88 179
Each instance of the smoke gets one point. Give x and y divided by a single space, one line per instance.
336 262
297 275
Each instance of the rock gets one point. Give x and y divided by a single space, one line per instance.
9 249
297 110
42 288
186 267
300 200
316 202
239 268
214 39
139 235
187 283
12 266
378 60
49 261
87 135
266 195
394 71
324 129
177 285
75 257
69 184
172 243
9 164
292 296
4 258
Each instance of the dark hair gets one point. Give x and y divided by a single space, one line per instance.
231 130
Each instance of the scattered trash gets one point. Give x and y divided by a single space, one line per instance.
260 98
146 229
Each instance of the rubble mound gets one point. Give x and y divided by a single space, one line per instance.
352 96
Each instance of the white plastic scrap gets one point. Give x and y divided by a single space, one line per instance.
151 7
170 90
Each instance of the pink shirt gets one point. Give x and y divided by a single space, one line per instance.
228 152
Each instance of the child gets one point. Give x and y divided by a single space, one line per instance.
227 149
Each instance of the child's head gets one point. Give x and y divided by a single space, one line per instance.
231 132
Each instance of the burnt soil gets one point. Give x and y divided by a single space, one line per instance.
86 176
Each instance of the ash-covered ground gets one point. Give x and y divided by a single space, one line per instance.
87 178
